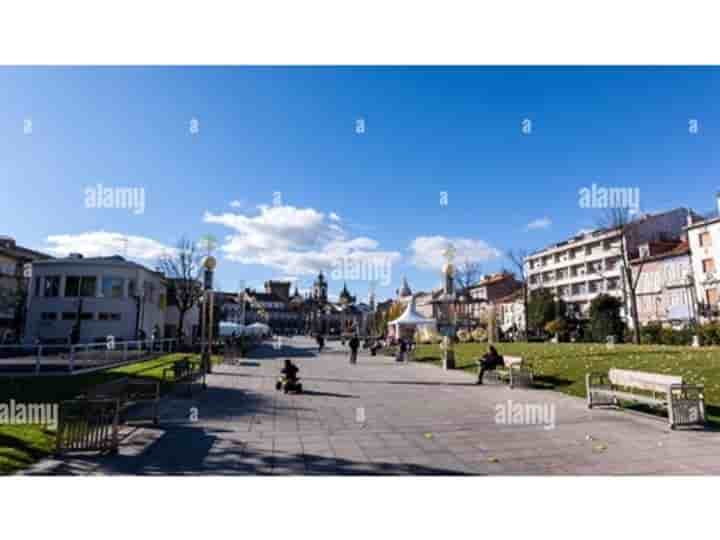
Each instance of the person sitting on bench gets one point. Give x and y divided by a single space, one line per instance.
491 361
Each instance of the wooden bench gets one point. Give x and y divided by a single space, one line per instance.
184 371
92 420
684 403
515 371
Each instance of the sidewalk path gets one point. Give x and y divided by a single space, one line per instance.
418 419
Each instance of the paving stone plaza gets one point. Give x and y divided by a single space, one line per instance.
387 418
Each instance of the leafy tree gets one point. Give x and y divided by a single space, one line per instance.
605 318
556 326
543 308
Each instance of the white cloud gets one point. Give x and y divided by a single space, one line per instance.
105 244
237 204
542 223
294 240
333 216
428 251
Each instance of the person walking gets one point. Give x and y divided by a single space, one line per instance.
402 350
354 346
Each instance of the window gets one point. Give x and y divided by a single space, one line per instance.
705 239
69 316
708 265
48 316
104 316
112 287
712 296
37 286
80 286
131 288
86 316
52 286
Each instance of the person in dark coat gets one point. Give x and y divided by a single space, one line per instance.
491 361
354 346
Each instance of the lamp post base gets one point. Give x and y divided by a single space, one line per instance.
206 363
448 359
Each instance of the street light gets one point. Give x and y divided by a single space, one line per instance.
209 264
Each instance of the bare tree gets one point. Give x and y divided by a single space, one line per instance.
517 258
467 274
183 268
622 220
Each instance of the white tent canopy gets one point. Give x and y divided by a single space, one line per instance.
257 329
410 317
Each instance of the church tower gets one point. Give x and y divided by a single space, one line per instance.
320 289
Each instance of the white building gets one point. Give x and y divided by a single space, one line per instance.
704 239
111 296
664 285
511 312
578 269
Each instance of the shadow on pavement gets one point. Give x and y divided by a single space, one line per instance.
188 450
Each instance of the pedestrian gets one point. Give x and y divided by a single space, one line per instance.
402 350
354 346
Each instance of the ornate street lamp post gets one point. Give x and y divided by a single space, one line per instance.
448 311
209 265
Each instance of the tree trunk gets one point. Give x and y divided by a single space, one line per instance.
181 326
633 309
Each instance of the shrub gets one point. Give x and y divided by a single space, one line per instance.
709 333
464 336
479 335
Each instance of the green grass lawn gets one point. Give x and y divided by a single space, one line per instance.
22 445
562 366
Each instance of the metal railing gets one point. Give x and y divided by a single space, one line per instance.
37 359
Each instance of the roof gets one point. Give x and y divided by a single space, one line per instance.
11 249
115 260
512 297
491 279
663 250
594 234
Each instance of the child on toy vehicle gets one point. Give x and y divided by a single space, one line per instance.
289 381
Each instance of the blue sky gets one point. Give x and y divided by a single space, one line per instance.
369 197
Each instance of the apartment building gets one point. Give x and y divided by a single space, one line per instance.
104 295
15 274
493 287
578 269
511 312
704 239
663 272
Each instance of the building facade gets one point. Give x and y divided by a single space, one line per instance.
584 266
704 239
665 292
15 276
103 296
